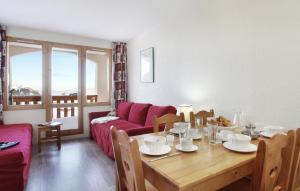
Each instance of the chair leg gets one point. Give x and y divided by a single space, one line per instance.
39 141
117 183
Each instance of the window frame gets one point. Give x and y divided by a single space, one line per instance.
8 107
46 80
102 103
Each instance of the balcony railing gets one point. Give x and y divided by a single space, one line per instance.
60 111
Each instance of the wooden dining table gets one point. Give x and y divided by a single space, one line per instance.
211 167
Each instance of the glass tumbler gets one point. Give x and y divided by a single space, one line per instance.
212 131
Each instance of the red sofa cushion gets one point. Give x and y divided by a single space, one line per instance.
158 111
138 113
15 161
102 135
124 109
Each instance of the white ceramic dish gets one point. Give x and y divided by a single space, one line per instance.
154 142
165 149
274 129
242 149
269 135
196 137
223 135
230 128
266 134
239 139
191 149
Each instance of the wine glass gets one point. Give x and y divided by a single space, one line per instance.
237 119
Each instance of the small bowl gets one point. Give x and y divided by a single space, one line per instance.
224 134
239 140
154 143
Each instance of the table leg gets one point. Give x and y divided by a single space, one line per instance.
58 138
39 141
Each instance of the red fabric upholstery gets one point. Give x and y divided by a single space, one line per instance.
124 109
101 133
15 161
138 113
94 115
158 111
135 125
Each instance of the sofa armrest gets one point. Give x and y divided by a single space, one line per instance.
11 169
11 157
94 115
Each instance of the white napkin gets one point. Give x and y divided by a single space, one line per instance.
104 119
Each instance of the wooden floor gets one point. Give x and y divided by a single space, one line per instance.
79 166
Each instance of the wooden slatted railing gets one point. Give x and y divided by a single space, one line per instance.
31 100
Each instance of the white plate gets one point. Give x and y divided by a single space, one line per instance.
197 137
266 134
243 149
165 149
192 149
269 135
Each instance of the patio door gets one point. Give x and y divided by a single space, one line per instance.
64 88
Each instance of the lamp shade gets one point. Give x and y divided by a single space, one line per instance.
185 109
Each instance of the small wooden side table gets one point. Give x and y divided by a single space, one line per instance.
53 136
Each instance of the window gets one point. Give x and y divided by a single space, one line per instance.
97 78
25 65
57 77
65 87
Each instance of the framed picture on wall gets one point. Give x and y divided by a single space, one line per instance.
147 65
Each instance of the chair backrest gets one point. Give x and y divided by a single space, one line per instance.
295 172
201 114
273 163
168 120
128 161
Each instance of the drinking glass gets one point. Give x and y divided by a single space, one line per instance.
237 119
199 125
199 122
212 132
185 138
170 140
194 133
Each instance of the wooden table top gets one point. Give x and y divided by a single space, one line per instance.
186 171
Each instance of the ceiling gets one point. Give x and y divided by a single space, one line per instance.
118 20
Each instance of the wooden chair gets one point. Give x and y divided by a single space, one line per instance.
295 172
201 114
128 163
168 120
272 166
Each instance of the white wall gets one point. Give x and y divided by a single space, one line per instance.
22 32
225 55
37 116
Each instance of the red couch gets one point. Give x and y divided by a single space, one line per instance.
134 118
15 161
